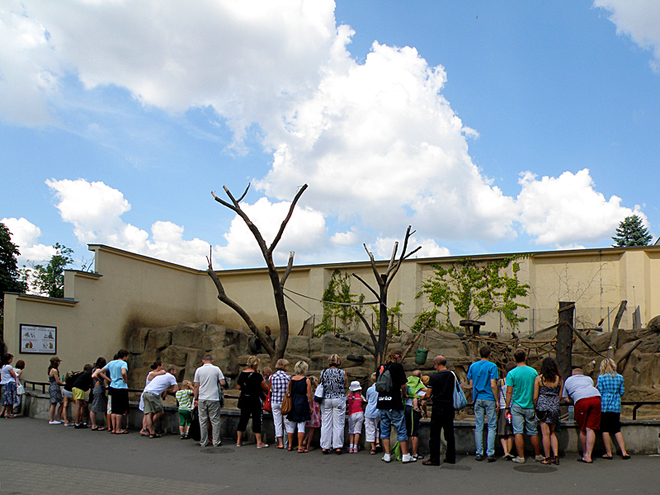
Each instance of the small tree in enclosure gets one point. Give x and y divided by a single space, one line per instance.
473 289
337 305
631 232
275 280
383 280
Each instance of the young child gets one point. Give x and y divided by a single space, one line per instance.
184 397
315 423
355 416
372 417
504 426
415 385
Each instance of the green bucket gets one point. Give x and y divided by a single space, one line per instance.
421 355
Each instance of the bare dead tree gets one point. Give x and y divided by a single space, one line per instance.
383 280
276 281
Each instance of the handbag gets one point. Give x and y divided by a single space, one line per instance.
460 401
286 401
267 401
319 393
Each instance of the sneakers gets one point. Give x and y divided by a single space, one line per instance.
387 458
507 457
479 457
406 458
55 422
492 458
80 426
519 460
418 457
539 458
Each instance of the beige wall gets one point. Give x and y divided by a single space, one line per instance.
129 290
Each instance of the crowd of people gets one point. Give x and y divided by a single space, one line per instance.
520 402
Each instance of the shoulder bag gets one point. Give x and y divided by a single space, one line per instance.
460 402
286 401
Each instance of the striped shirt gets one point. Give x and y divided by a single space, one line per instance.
185 397
278 384
611 389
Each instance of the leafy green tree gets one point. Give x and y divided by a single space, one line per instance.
337 300
473 289
631 232
10 280
49 279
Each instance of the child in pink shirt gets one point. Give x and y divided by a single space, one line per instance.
355 402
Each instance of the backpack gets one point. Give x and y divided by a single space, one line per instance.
384 384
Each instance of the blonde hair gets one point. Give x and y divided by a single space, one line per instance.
334 360
282 364
185 384
373 377
253 361
607 367
300 368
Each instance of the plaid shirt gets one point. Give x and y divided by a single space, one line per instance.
278 383
611 389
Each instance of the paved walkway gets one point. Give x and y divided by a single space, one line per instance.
37 458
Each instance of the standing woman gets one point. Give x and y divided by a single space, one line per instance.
333 407
611 388
253 388
55 391
547 390
9 382
279 382
301 400
100 401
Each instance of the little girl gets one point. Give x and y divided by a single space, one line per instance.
185 398
315 423
504 426
355 416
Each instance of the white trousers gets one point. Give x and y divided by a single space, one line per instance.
333 419
280 422
371 429
291 427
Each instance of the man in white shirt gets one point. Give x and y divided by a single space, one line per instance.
151 396
207 399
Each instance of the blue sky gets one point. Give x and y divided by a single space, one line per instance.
488 126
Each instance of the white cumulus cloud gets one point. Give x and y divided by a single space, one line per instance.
638 19
567 210
95 209
26 235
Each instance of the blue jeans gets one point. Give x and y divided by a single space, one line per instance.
396 418
483 407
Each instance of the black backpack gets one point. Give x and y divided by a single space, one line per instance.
384 384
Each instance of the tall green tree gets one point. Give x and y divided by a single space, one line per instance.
10 276
49 279
631 232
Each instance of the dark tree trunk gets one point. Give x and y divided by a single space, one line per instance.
564 348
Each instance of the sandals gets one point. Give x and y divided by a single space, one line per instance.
373 452
546 461
155 435
301 450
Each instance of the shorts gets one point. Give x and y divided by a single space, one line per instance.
504 428
67 393
610 422
355 422
109 408
78 393
389 417
152 403
119 401
587 413
412 421
185 417
523 419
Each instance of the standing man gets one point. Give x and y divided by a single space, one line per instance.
151 396
117 375
580 390
520 401
483 380
207 399
390 405
441 391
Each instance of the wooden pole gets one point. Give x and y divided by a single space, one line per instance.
564 348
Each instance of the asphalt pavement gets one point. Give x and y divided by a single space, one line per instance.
38 458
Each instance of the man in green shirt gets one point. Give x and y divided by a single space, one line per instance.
520 401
